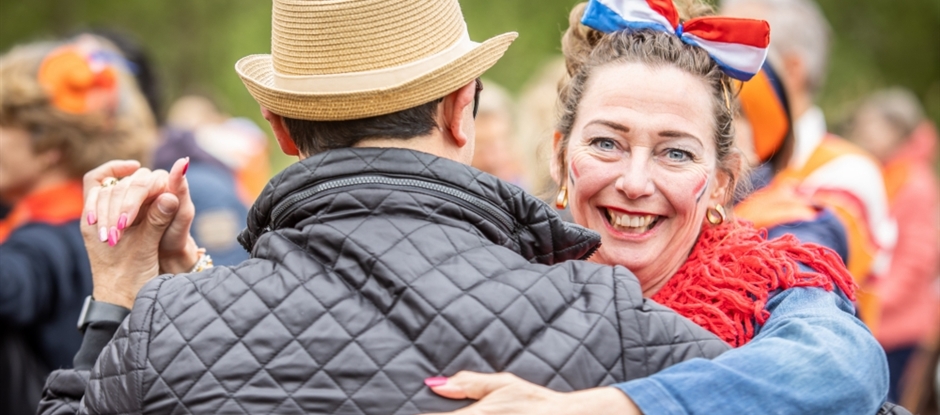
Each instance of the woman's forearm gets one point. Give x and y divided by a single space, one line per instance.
812 356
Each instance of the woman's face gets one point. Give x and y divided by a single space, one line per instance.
642 166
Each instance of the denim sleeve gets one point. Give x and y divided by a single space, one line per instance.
810 357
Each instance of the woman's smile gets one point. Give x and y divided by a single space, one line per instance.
630 225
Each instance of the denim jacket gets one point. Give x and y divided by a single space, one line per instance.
812 356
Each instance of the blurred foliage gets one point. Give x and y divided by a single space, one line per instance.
877 43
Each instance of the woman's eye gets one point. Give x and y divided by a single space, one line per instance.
678 155
604 143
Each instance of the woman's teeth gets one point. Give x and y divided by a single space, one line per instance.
631 223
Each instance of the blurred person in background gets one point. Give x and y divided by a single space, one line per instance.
833 172
64 109
228 168
892 126
764 135
537 115
496 149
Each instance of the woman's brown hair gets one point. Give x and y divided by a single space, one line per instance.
84 140
586 49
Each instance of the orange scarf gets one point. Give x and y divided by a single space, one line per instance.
725 284
53 205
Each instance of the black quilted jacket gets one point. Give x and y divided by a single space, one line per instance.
373 269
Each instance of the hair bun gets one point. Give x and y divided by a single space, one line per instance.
579 40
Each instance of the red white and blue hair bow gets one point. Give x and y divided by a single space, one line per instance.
738 46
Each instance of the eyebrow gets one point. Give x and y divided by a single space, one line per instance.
610 124
677 134
624 129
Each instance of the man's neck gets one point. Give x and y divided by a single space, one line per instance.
433 143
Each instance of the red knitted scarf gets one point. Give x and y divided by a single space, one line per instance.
725 283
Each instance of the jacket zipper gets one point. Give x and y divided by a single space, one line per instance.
590 253
476 204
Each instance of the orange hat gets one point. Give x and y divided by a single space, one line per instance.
75 85
764 103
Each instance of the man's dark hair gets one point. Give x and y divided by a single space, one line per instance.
313 137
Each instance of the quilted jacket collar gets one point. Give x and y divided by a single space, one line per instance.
527 225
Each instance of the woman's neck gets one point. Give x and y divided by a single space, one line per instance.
652 278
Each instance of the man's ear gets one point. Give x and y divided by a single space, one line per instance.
281 133
456 104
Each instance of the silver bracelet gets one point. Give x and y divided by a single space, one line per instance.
203 263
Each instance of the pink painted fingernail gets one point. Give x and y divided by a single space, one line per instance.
186 167
103 234
122 222
435 381
92 219
113 237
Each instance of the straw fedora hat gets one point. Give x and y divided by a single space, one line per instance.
348 59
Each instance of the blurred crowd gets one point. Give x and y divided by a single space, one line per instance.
865 186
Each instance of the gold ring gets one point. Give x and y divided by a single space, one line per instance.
108 182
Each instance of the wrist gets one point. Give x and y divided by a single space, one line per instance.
180 262
602 400
113 296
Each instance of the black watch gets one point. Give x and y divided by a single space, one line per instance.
95 311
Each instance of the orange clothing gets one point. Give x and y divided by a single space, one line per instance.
852 211
776 204
53 205
908 292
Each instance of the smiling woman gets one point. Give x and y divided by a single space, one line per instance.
644 156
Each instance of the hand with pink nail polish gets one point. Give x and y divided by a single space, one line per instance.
132 217
507 394
178 250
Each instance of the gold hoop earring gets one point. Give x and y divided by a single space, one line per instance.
561 201
715 215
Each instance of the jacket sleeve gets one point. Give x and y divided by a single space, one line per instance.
65 388
63 392
29 261
811 356
107 374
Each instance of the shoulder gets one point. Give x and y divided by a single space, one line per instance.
43 240
171 296
851 170
39 232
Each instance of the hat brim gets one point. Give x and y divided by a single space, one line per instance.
257 73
